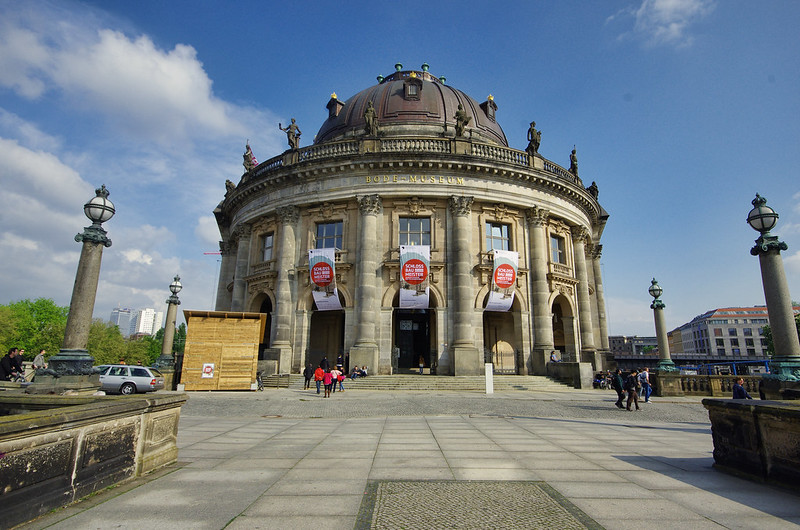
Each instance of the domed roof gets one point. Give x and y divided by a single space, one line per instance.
411 103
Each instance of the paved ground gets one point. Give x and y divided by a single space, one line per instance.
291 459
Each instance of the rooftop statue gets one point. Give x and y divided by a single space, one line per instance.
249 160
534 139
461 120
292 134
592 189
573 163
229 186
371 127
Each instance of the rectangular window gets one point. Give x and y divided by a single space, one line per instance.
558 250
720 342
735 342
737 351
732 332
415 231
267 241
721 352
748 342
748 332
764 344
751 352
329 235
497 236
717 332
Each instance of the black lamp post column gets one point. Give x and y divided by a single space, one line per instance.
665 363
167 360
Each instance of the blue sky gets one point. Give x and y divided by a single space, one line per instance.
681 110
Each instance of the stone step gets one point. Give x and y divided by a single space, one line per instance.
502 383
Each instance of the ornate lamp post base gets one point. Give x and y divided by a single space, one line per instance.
666 365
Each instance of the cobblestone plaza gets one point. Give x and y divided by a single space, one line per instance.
289 459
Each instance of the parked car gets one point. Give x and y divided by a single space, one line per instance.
130 379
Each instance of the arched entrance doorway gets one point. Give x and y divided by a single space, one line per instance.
502 338
564 328
326 334
413 336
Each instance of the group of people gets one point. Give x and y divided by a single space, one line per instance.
326 378
11 367
636 384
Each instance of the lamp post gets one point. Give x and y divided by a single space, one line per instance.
665 363
166 359
785 365
73 359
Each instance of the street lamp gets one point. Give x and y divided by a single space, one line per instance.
166 359
665 363
73 359
785 364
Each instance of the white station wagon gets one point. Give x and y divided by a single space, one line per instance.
130 379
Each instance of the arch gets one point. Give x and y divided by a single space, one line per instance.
391 295
257 301
565 339
263 302
305 302
502 337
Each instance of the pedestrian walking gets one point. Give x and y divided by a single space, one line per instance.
617 383
421 364
632 387
308 373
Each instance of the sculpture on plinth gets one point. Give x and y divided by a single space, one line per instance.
534 139
461 120
370 120
292 134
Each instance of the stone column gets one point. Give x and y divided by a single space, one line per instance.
467 359
84 292
579 237
227 263
288 216
540 291
601 301
365 349
664 358
243 232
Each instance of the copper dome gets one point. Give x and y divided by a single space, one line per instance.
411 103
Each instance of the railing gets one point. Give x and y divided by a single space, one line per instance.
502 154
717 385
421 145
417 145
263 266
328 150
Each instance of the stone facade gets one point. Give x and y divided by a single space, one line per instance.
364 188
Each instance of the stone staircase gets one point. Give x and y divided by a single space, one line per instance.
422 383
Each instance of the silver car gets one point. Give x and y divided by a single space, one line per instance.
130 379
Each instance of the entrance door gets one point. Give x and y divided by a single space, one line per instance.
412 337
498 337
326 336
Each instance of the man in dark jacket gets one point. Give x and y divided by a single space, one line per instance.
617 384
8 365
632 386
738 390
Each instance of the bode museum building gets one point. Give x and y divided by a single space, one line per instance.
409 233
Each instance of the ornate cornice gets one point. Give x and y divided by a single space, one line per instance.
369 204
460 206
598 251
243 230
225 248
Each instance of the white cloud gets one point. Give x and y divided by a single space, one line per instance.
792 263
207 230
664 22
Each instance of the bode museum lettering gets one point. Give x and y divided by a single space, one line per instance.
415 179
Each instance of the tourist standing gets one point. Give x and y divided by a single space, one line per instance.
738 390
644 382
319 375
327 380
335 374
308 373
421 364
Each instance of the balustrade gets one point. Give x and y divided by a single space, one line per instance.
427 145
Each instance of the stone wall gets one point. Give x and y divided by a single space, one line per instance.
759 440
56 449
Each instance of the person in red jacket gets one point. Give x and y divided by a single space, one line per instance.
319 375
328 381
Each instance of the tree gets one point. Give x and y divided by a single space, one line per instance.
106 343
33 326
767 334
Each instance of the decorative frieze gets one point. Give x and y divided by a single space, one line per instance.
288 214
537 216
